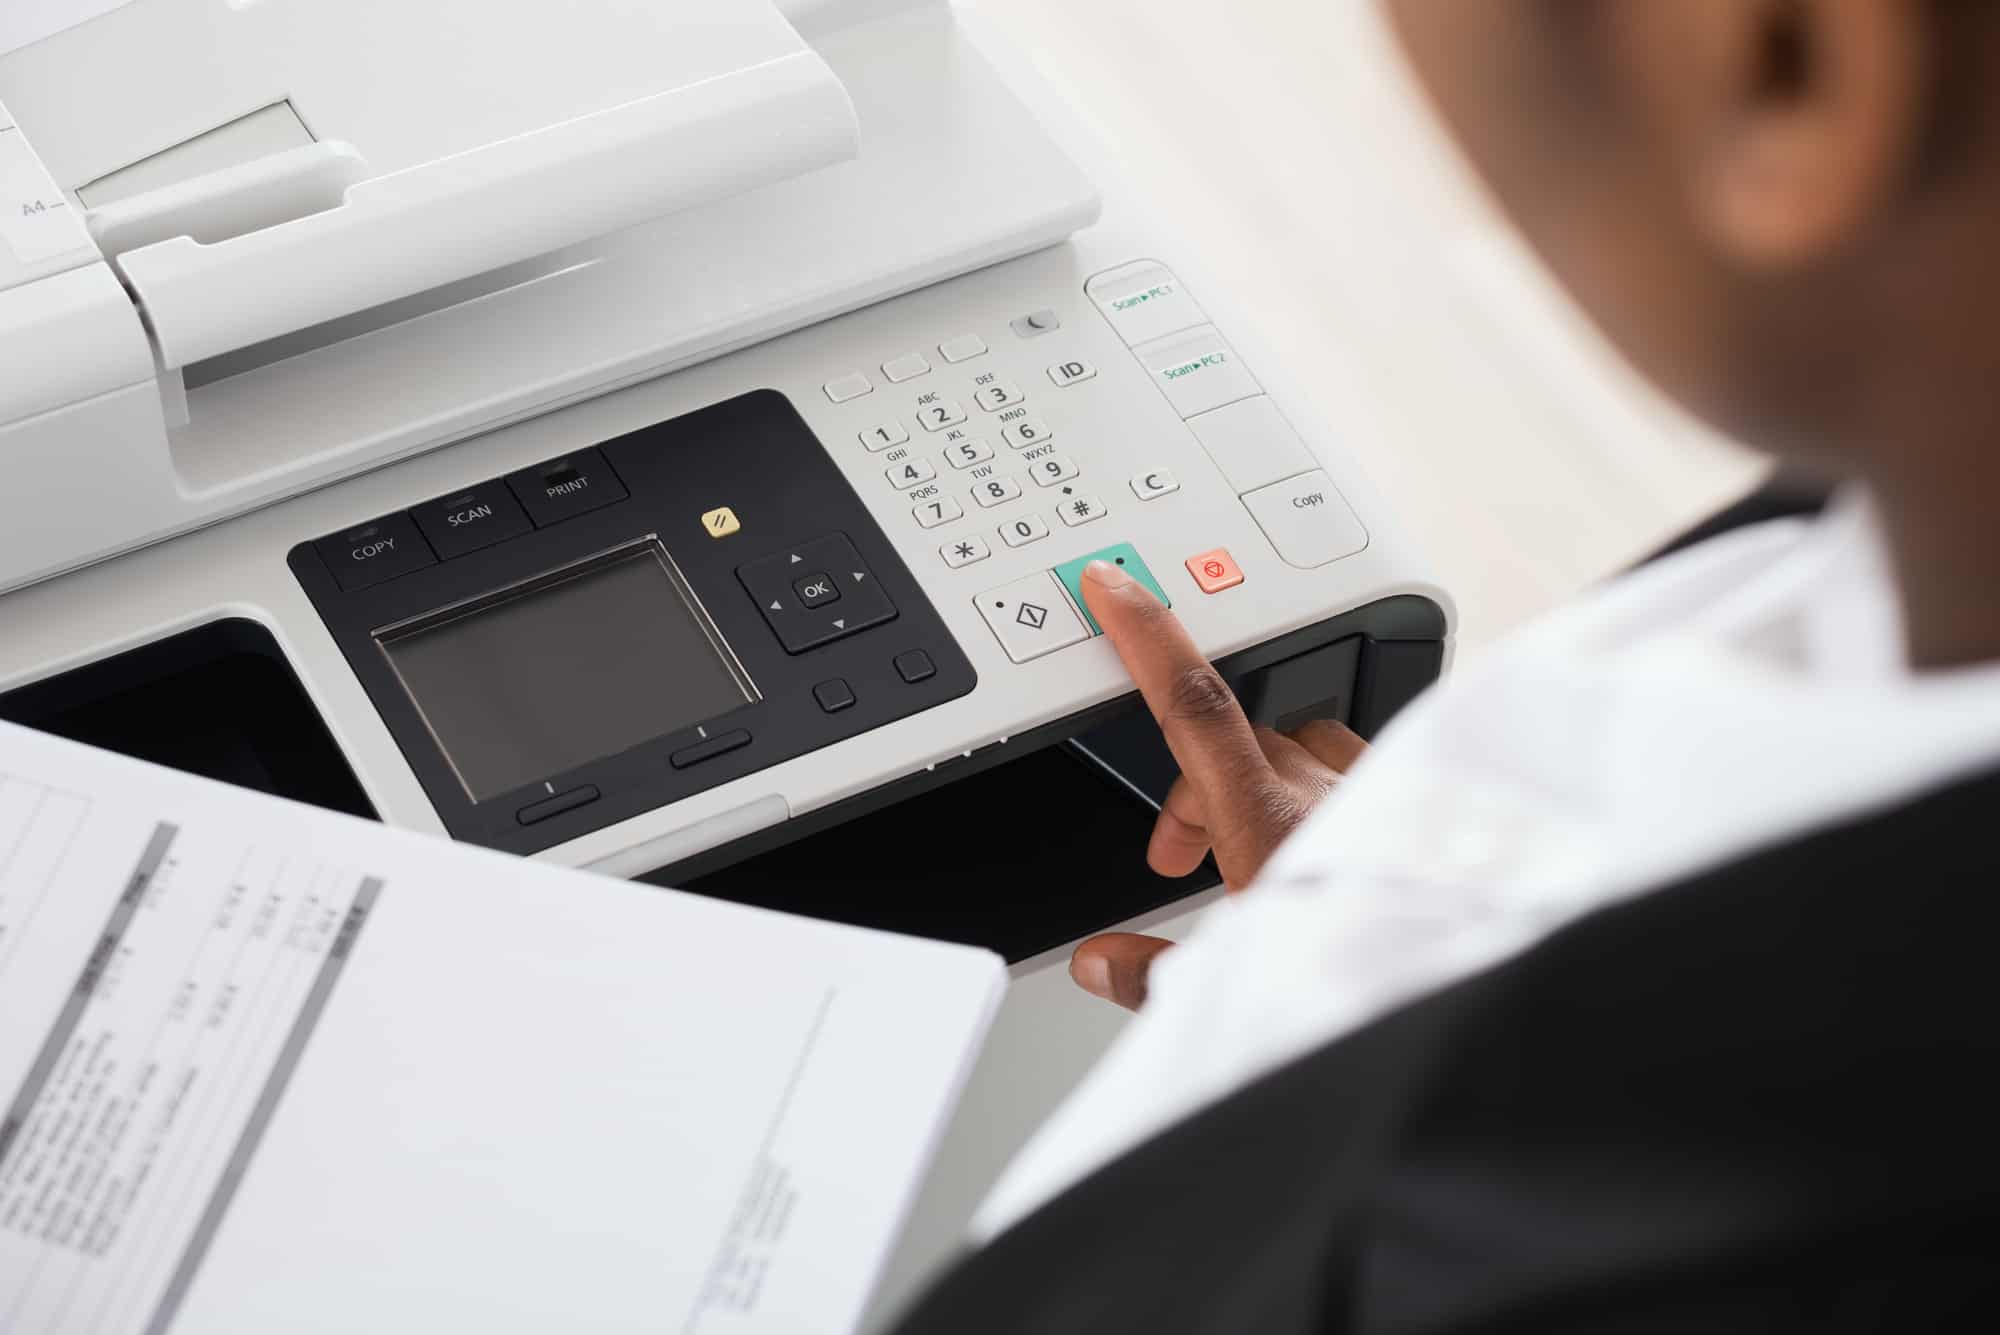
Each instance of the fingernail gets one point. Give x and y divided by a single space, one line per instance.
1106 574
1093 974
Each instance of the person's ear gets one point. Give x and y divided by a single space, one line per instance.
1795 121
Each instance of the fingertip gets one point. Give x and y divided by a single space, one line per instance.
1175 849
1106 575
1091 972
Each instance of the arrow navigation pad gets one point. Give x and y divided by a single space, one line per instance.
806 610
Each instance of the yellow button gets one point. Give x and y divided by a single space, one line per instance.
721 522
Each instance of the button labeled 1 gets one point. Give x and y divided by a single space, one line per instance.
1031 617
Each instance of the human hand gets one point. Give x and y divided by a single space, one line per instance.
1241 789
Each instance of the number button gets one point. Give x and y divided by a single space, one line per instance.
998 395
936 414
964 551
909 473
940 511
1052 470
996 491
969 452
883 436
1020 532
1023 434
1081 510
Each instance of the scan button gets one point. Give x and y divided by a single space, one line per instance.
468 521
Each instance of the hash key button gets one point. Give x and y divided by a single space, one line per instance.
1031 617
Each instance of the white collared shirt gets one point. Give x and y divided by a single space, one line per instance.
1732 697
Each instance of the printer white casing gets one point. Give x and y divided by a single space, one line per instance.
155 484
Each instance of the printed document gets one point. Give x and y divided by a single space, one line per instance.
264 1068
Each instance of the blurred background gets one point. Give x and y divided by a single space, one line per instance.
1289 146
1292 152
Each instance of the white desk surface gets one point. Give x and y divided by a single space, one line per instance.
1528 462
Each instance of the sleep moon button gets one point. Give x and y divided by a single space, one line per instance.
720 744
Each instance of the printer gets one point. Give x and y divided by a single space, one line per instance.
658 438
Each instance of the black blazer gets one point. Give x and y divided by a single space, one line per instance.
1761 1100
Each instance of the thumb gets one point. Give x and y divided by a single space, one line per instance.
1114 966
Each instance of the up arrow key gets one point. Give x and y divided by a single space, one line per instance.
777 607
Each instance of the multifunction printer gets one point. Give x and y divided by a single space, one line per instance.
659 438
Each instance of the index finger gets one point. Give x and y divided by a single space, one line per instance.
1197 712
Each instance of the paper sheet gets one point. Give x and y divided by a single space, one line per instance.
25 22
262 1067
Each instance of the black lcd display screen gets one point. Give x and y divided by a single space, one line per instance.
578 665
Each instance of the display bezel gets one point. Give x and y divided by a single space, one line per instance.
649 545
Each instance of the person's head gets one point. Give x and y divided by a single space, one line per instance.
1787 212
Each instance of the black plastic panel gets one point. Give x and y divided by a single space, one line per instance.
922 855
752 454
219 701
1068 860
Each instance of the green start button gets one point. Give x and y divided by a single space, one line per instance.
1121 554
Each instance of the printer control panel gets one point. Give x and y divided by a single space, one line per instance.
770 560
617 628
989 460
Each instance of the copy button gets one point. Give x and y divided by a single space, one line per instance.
376 551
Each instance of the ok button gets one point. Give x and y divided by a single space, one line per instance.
816 590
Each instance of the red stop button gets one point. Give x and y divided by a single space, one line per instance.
1215 571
